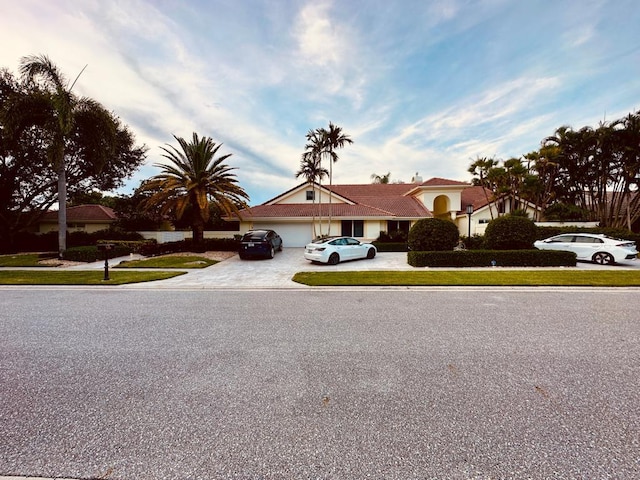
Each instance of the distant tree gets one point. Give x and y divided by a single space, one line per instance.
381 178
192 181
53 145
480 168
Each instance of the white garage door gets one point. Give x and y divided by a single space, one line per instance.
293 234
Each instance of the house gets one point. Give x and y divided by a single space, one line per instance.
365 210
81 218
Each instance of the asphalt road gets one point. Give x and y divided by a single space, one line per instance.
397 384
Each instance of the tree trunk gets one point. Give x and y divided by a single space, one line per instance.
62 209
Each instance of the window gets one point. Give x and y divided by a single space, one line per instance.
353 228
311 195
398 226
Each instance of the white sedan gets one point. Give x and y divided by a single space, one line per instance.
597 248
336 250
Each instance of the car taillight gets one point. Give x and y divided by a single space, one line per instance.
321 249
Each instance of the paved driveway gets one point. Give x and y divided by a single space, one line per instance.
277 273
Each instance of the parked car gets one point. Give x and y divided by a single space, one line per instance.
336 250
259 243
597 248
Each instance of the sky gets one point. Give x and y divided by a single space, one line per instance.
422 86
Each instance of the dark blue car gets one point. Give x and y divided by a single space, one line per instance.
259 243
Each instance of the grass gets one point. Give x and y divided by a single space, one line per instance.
169 261
85 277
22 260
596 278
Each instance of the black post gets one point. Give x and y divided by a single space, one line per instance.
105 247
469 213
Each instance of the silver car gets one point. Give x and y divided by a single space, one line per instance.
594 247
336 250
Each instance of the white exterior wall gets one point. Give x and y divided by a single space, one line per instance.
301 197
86 227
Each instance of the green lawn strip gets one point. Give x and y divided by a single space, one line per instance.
599 278
85 277
169 261
21 260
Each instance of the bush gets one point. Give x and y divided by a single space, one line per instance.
433 234
510 232
390 247
396 236
91 253
488 258
153 249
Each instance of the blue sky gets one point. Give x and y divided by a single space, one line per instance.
420 86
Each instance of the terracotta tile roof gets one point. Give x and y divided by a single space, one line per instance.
84 213
439 182
371 200
476 197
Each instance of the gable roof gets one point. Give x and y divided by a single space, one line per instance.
84 213
364 201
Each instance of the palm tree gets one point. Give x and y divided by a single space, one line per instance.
332 139
381 178
312 156
311 170
192 181
481 167
56 110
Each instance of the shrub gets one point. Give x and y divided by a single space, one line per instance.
510 232
487 258
90 253
152 249
433 234
390 247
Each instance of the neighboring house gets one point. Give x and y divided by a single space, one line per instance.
82 218
363 211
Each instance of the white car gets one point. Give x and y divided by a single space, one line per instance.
597 248
336 250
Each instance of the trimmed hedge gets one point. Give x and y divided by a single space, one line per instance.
433 234
510 232
92 254
486 258
391 246
207 245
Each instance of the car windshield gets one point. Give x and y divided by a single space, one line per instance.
253 236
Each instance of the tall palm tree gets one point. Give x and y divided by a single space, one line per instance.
55 109
312 171
312 156
192 181
333 139
480 168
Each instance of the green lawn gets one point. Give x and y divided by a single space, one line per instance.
599 278
169 261
21 260
85 277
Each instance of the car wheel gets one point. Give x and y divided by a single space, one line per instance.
280 247
242 257
272 252
334 259
371 253
603 258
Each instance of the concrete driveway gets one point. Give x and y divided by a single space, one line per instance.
275 273
278 272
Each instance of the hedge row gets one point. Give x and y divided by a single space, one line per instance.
93 254
390 246
487 258
207 245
